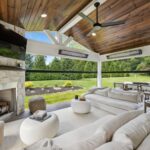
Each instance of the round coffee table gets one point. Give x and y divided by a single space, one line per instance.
32 130
81 107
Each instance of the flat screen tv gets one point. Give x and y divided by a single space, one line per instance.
12 45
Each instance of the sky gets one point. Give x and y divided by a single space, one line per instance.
40 36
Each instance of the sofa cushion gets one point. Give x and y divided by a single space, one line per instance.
80 134
90 143
145 144
110 126
125 105
134 131
102 92
114 146
126 96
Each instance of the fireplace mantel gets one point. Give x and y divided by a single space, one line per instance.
11 68
5 86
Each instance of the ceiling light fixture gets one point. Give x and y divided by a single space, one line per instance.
44 15
93 34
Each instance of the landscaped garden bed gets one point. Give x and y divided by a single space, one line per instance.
39 91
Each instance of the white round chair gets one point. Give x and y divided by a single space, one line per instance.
81 107
32 130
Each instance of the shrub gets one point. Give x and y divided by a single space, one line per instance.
68 84
28 84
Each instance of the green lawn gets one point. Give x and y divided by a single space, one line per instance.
85 83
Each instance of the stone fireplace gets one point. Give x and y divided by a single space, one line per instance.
12 84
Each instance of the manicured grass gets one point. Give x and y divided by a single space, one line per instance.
58 97
85 83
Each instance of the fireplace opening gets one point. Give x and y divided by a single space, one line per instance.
7 101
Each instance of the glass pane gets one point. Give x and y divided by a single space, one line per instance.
39 36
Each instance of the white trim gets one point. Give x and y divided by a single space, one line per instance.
60 38
40 48
87 10
67 41
50 36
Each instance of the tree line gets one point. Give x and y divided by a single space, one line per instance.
64 64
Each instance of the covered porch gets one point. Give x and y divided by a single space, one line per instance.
101 32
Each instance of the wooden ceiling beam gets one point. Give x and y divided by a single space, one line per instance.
4 10
34 13
17 12
134 32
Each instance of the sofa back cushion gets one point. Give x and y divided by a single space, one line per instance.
134 131
114 146
126 96
102 92
110 126
145 144
90 143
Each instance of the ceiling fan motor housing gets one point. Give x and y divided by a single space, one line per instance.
97 24
96 4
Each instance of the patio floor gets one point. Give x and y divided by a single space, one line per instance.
50 108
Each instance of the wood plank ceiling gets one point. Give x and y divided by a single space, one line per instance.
27 13
134 33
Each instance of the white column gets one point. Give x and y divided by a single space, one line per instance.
99 74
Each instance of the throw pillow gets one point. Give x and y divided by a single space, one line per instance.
115 123
126 96
134 131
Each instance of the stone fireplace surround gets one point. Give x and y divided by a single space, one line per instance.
13 80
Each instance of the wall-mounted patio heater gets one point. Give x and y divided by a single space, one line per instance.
125 54
72 53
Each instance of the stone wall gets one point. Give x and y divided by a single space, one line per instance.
17 78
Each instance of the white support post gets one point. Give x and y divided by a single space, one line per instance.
99 74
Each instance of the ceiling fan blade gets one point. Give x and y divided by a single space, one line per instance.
107 24
92 31
86 17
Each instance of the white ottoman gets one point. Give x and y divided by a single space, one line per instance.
81 107
32 130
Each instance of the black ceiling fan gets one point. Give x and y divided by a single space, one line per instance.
96 25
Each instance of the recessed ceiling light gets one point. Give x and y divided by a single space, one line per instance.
44 15
93 34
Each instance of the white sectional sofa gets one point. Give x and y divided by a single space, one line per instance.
114 101
127 131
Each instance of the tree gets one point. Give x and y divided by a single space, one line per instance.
28 64
67 65
78 66
144 65
55 65
88 67
39 64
